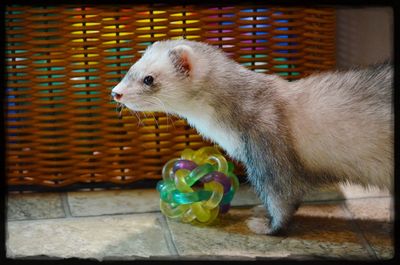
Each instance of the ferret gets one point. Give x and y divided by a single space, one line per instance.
292 137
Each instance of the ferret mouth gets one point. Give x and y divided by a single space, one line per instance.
147 103
144 106
134 106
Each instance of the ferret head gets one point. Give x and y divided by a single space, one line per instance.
164 79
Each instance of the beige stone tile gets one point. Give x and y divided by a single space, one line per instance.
122 236
355 191
324 194
380 237
91 203
317 231
374 216
245 196
34 206
379 209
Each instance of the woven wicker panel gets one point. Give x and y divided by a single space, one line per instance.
62 126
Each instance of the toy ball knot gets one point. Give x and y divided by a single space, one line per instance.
197 186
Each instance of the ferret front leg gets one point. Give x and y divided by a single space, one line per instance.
275 174
281 210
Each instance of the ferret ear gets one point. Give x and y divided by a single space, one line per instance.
182 59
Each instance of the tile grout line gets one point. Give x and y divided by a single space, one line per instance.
168 236
359 232
69 215
345 199
65 205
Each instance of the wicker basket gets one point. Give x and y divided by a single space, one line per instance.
62 126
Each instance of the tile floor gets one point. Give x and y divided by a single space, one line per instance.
342 223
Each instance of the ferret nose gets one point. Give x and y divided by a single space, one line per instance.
116 96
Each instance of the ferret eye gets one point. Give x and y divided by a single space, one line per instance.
148 80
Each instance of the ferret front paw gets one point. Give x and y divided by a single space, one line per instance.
258 225
262 226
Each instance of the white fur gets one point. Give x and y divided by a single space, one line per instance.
330 135
200 116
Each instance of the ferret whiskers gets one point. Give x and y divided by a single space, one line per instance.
137 114
165 111
122 106
118 109
152 113
140 123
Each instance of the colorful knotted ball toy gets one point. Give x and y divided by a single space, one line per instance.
197 186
